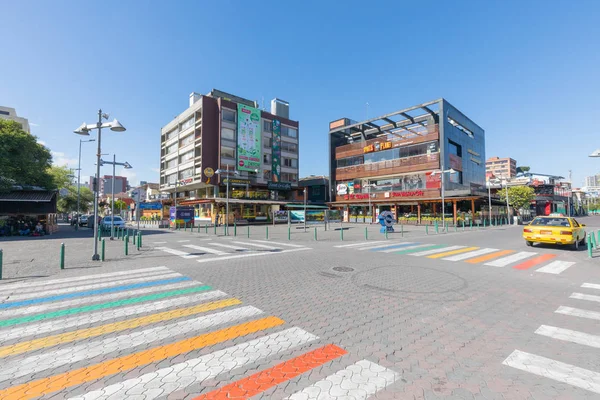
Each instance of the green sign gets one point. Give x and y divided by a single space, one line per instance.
276 152
248 138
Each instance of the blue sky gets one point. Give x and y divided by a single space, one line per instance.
527 72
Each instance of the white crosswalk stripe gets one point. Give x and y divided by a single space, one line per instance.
279 243
470 254
179 253
590 286
91 318
381 246
197 370
359 244
206 249
262 246
504 261
415 246
568 335
438 250
13 312
25 296
555 267
86 350
358 382
97 278
577 312
582 296
228 246
206 260
556 370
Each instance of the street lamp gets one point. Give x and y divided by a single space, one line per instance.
84 129
112 207
220 172
79 178
304 190
489 185
369 186
443 172
505 183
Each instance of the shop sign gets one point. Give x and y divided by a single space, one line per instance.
209 173
280 216
411 193
249 136
276 151
356 196
342 189
377 146
150 206
279 185
337 124
234 181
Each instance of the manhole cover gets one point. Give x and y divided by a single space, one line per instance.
343 269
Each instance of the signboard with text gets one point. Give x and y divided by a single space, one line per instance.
279 185
248 138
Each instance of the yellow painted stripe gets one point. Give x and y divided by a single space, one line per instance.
450 253
62 381
67 337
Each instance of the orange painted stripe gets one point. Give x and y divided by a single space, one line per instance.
261 381
535 261
78 376
486 257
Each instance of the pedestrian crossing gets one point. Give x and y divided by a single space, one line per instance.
86 333
485 256
566 341
215 251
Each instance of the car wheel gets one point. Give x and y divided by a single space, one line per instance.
528 243
576 245
582 242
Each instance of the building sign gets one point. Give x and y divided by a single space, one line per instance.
337 124
473 153
279 185
276 152
181 215
411 193
297 216
150 206
455 162
209 173
342 189
356 196
433 181
377 146
235 181
249 138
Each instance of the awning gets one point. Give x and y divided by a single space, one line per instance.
25 196
307 206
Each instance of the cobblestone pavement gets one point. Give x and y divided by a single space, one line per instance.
461 315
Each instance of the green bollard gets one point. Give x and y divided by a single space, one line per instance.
598 240
102 250
315 234
185 227
215 228
267 230
463 225
99 234
401 230
342 234
206 228
427 229
386 233
589 247
446 228
126 244
234 229
366 233
455 227
470 224
1 264
198 228
289 233
437 229
248 231
225 230
140 239
62 256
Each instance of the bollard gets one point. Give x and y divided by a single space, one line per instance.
206 228
589 248
401 230
99 234
62 256
102 250
140 239
289 233
427 229
248 231
342 234
185 226
215 228
126 244
470 224
234 229
386 233
267 230
225 230
455 227
435 224
198 228
463 225
598 240
315 234
366 233
446 228
0 264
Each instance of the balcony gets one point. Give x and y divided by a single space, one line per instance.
390 167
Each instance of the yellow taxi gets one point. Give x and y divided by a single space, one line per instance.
555 229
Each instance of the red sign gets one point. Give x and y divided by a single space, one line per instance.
433 181
356 196
412 193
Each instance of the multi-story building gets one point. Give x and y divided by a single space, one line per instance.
254 150
121 184
593 180
501 167
394 162
11 113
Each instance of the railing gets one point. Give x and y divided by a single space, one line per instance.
399 165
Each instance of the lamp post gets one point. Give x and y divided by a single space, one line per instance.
443 172
489 185
369 186
220 172
85 129
304 209
79 178
112 207
505 182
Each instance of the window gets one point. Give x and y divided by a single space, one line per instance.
266 159
171 178
186 173
227 152
267 125
290 162
172 134
172 148
460 127
316 190
4 112
228 115
187 124
267 142
454 148
287 177
187 140
228 134
456 177
172 163
289 132
289 147
186 156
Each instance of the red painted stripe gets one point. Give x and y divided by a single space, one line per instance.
261 381
535 261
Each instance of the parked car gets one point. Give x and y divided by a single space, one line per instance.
555 229
83 220
118 221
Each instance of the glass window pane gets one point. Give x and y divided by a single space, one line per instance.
228 134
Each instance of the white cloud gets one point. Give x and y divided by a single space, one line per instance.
130 175
41 142
59 158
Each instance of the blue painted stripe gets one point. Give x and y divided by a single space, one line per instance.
92 292
397 246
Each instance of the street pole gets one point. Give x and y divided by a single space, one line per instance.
112 207
507 206
369 211
443 199
227 204
490 198
78 183
96 256
304 209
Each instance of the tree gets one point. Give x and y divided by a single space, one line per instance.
523 169
23 160
60 176
518 196
69 202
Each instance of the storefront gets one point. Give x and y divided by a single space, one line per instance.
20 209
241 211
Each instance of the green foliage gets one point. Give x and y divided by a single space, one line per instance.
23 160
523 169
120 205
68 203
518 196
60 176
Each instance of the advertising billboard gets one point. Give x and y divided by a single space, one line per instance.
276 152
181 215
249 145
